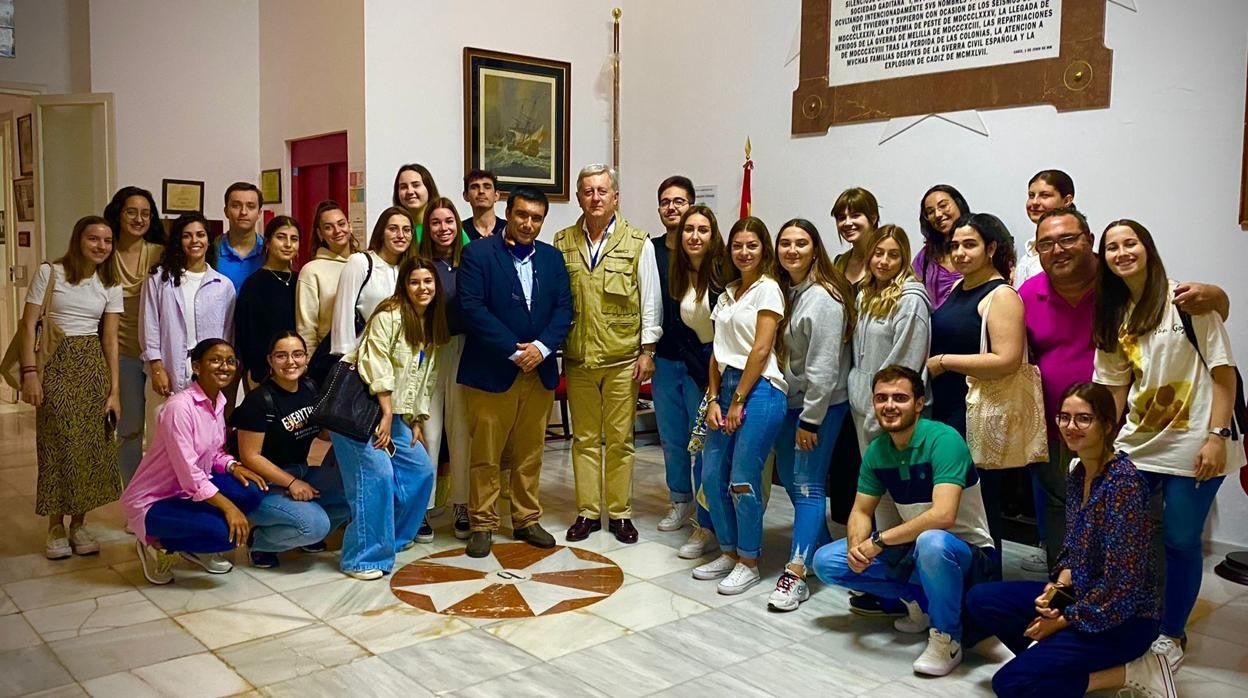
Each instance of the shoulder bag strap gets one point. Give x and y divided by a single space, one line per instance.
359 317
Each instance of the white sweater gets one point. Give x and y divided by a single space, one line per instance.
351 284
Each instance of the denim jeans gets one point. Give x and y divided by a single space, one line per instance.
942 561
387 496
183 525
676 402
1061 664
805 474
737 461
1186 506
131 381
281 523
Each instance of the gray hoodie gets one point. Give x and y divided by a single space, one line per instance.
902 338
818 360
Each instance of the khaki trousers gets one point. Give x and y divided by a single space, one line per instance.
514 420
603 403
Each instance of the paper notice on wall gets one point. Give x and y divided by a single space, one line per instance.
708 196
356 214
882 39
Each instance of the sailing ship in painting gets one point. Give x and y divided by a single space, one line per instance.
521 147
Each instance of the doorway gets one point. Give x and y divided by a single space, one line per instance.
318 171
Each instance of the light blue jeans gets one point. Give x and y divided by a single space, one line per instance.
676 402
1187 503
387 496
131 380
942 561
281 523
737 461
805 474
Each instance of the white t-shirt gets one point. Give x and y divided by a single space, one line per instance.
736 322
76 309
191 281
697 314
1168 406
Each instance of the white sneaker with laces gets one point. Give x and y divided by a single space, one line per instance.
216 563
82 542
791 591
1036 562
943 655
57 546
701 542
1150 677
366 575
741 578
915 620
157 564
719 567
1170 648
677 517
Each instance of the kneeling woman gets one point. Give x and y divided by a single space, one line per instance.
389 480
1100 611
189 496
304 502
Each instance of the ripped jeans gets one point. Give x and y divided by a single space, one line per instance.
732 465
804 474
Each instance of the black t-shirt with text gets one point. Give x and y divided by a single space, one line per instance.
287 434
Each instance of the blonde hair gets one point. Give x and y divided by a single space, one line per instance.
880 300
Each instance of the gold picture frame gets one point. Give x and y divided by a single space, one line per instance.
181 196
271 186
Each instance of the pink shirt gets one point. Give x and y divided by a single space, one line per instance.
1060 336
188 448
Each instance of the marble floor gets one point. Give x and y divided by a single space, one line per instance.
92 625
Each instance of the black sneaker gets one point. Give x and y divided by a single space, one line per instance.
875 606
318 547
425 534
264 560
462 528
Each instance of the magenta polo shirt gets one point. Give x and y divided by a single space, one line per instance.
1060 336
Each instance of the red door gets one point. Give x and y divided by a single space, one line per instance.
318 171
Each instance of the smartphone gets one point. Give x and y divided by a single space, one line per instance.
1059 597
110 425
390 449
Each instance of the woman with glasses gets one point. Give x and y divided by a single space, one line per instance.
304 502
940 207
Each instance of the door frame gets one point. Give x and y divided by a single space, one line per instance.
110 144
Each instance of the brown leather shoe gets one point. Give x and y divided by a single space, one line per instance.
535 536
623 530
582 527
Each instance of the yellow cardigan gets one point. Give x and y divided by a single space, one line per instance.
388 363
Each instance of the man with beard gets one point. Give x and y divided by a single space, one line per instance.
943 536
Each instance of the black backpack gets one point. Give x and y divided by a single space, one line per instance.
1239 409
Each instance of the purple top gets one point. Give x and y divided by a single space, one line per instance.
1060 337
162 321
938 280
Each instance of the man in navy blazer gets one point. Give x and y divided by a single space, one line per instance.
517 306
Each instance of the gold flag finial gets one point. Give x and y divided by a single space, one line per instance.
747 147
615 14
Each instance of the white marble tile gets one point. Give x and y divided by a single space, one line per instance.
717 639
1226 622
196 676
372 676
6 604
70 690
786 671
539 681
93 615
27 566
111 651
1197 686
457 661
343 597
290 655
1215 658
649 560
631 666
16 633
822 612
248 620
194 589
880 652
396 626
547 637
298 571
62 588
29 670
644 605
714 684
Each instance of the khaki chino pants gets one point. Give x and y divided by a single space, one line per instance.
603 403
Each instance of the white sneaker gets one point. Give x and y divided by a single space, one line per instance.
366 575
791 591
740 579
82 542
1036 562
701 542
719 567
1150 677
677 517
216 563
942 655
157 564
57 546
1170 648
915 620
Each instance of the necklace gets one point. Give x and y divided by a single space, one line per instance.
278 275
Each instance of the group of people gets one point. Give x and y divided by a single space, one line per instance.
462 330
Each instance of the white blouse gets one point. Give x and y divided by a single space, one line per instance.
77 308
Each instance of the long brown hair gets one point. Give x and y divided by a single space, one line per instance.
428 249
880 300
822 273
426 328
1113 296
716 270
766 268
76 265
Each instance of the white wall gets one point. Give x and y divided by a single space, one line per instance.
52 44
311 79
414 102
1167 152
186 80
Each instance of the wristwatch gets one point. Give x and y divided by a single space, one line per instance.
649 353
878 541
1223 432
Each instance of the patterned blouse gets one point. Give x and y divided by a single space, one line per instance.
1106 548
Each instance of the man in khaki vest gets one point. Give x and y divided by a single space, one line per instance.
617 320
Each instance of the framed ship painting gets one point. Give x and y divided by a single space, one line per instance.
517 110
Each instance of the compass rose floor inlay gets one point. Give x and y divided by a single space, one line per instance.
516 580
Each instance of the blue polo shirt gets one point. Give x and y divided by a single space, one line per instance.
236 268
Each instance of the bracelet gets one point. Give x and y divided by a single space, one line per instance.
29 369
292 482
941 362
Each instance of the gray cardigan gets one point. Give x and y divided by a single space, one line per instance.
817 369
902 338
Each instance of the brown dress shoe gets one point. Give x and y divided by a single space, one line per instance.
582 527
623 530
535 536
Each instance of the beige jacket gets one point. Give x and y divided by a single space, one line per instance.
314 297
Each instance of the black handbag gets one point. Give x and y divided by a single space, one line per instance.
346 406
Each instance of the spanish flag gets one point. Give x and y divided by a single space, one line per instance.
745 181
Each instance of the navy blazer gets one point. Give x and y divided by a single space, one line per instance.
497 318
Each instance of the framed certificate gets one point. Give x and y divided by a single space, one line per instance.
181 196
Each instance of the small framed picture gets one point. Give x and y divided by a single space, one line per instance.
181 196
26 145
271 186
24 198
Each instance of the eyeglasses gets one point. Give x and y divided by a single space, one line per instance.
217 362
1065 242
1081 420
284 356
136 213
677 202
